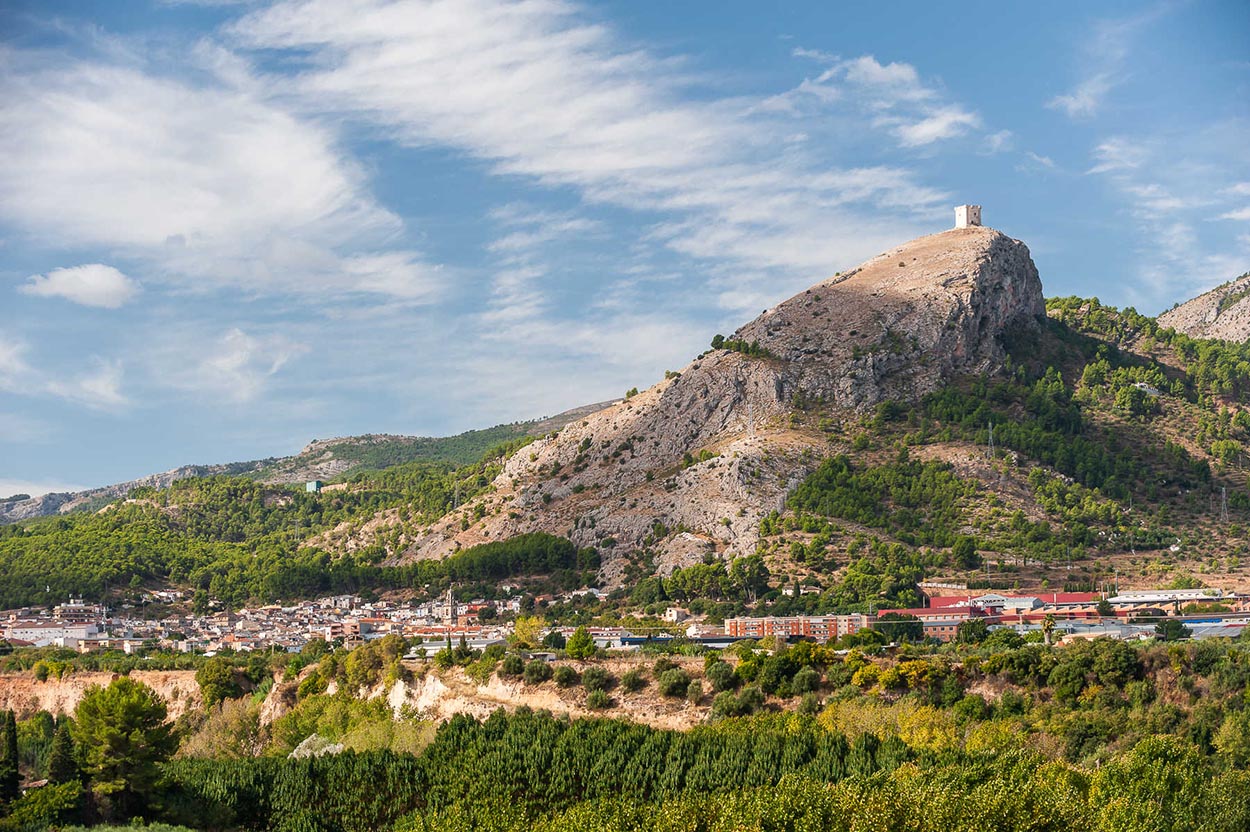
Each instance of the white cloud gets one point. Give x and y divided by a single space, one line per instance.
1118 154
1086 98
93 284
893 94
998 142
540 94
1104 55
945 123
1239 214
234 367
99 389
207 183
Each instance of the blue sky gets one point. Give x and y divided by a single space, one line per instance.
229 228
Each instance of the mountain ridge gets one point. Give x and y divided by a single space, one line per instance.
1222 313
320 459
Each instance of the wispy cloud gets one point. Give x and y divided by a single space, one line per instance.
100 388
201 182
235 366
93 284
1104 58
540 94
893 94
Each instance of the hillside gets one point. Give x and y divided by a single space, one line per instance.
1222 313
321 459
692 465
924 416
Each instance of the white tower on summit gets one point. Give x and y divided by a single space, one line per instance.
967 215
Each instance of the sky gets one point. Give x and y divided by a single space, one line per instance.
229 228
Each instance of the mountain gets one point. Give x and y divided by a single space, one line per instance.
926 416
1223 313
691 465
321 459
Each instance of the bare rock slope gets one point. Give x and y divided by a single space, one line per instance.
691 465
1222 313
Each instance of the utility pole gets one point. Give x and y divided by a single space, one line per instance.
1223 504
991 451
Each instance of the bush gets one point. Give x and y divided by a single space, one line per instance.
674 682
598 700
662 665
537 672
633 681
596 678
566 676
694 691
722 676
512 665
807 680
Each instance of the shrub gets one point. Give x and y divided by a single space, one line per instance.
722 676
694 691
566 676
537 672
807 680
662 665
633 681
512 665
596 678
673 682
598 700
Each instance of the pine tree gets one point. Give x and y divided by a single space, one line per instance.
10 779
580 645
62 767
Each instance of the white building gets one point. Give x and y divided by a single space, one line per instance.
967 215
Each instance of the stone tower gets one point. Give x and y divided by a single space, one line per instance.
967 215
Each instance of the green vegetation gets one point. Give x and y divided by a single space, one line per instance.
238 541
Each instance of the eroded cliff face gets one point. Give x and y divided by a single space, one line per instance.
689 466
25 695
1222 313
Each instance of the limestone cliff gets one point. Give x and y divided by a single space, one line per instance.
690 465
1222 313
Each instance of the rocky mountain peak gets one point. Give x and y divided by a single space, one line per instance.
1222 313
689 466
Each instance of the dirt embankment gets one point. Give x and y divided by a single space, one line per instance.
22 693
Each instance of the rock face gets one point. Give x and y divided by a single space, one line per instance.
689 466
1222 313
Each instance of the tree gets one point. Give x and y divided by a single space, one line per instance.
10 778
580 646
62 767
1169 629
965 553
525 631
216 681
900 627
1105 609
122 737
972 631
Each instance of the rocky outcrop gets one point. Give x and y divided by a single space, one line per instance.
24 694
691 465
1222 313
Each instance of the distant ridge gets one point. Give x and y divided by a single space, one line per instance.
1222 313
321 459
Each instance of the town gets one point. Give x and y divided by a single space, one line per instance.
348 621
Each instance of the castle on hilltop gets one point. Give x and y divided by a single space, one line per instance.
967 215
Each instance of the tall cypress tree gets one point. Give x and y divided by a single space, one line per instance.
10 779
62 767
